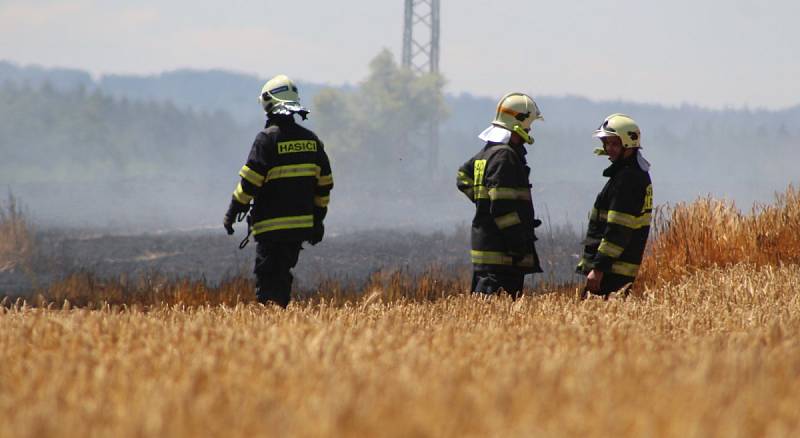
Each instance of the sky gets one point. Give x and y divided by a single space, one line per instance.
711 53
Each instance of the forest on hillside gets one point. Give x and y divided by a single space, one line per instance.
163 151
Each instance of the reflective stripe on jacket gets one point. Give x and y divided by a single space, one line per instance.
619 222
496 181
288 177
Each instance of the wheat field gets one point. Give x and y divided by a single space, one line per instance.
711 349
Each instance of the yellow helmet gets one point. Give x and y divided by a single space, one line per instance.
280 96
516 112
622 126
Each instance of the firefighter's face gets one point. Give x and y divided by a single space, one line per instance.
613 147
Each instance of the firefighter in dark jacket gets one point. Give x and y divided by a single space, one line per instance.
288 179
619 222
496 180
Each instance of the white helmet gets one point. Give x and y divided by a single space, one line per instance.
622 126
279 96
516 112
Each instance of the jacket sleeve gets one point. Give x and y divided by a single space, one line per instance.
501 177
465 181
253 175
624 213
322 191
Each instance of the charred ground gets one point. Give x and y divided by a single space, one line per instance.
212 257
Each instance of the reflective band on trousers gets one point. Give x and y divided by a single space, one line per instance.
610 249
508 220
292 171
629 220
322 201
498 258
621 268
626 269
241 196
519 194
252 176
283 223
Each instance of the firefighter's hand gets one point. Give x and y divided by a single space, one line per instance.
593 280
228 224
235 209
317 234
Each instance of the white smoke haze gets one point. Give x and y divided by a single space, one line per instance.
154 153
131 118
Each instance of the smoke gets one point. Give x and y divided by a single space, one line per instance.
144 155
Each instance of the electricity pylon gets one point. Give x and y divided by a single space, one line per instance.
421 36
421 55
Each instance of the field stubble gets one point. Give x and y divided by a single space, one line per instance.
707 347
691 362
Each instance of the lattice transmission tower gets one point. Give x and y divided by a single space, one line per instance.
421 36
421 55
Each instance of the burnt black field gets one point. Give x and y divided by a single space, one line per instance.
211 256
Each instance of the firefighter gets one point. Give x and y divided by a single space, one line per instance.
619 222
288 179
496 180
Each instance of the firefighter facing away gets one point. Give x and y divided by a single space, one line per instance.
496 180
288 179
619 222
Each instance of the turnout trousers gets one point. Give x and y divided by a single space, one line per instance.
490 283
274 263
611 283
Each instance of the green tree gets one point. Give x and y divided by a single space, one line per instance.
380 127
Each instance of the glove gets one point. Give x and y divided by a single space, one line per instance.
234 209
317 233
228 224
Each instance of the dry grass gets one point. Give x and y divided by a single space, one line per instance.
16 238
711 233
717 355
84 289
709 348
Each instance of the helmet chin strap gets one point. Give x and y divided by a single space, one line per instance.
526 137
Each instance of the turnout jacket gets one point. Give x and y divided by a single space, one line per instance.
496 181
619 222
288 177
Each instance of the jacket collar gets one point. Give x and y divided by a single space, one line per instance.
616 166
279 120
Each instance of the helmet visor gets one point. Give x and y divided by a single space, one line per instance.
602 134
